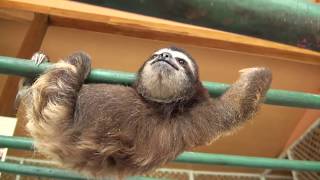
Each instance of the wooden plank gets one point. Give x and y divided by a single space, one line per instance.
16 15
30 44
94 18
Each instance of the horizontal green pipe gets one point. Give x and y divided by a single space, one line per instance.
22 143
15 66
49 172
247 161
203 158
38 171
294 22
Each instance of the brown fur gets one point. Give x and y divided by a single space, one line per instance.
111 130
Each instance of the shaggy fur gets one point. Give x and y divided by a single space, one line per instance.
114 130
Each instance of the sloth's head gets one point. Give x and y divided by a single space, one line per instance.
169 75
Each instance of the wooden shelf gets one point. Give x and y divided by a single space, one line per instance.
88 17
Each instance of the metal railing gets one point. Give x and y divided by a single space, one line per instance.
200 158
15 66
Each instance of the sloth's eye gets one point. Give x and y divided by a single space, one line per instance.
181 61
154 56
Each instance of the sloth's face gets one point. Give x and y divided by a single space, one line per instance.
167 75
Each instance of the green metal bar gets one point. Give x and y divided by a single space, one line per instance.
205 158
22 143
15 66
246 161
295 22
38 171
49 172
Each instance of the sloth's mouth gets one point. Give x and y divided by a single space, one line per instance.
168 62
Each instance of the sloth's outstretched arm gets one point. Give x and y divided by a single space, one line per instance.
238 104
241 101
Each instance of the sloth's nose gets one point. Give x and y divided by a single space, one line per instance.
165 56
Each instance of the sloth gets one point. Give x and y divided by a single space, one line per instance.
116 130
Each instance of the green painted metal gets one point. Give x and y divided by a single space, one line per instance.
50 172
38 171
205 158
294 22
15 66
246 161
22 143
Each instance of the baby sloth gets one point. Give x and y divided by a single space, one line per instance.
115 130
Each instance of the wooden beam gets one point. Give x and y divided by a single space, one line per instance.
83 16
16 15
30 45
